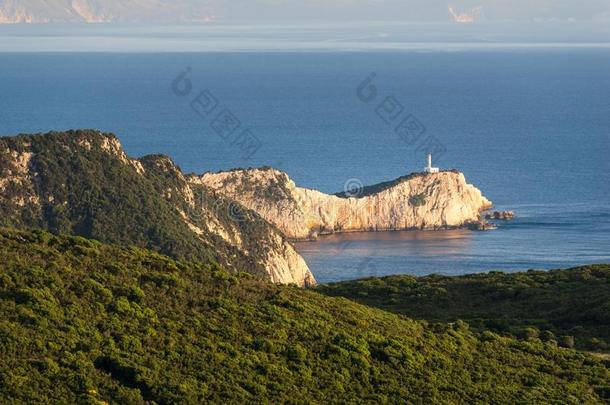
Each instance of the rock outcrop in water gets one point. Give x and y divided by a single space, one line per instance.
500 215
419 201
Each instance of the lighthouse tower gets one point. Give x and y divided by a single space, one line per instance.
429 168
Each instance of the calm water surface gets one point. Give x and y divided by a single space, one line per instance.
530 128
542 237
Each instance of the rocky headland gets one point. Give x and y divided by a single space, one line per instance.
419 201
82 183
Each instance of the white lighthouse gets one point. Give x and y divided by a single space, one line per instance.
429 168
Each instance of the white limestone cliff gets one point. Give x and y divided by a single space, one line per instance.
420 201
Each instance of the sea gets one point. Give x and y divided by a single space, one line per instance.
527 123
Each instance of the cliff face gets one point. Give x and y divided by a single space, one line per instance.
98 11
422 201
207 213
83 183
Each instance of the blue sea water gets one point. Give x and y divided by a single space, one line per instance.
529 127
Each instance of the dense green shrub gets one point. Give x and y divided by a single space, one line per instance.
567 341
126 325
86 186
573 302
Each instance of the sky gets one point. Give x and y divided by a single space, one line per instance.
412 10
230 25
303 11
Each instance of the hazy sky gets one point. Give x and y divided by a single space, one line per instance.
409 10
214 25
305 11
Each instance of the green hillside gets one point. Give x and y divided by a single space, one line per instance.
81 321
82 183
569 306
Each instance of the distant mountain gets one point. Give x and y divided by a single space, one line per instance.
252 11
94 11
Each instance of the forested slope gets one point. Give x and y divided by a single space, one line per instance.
82 321
569 306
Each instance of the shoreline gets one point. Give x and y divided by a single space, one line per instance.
389 230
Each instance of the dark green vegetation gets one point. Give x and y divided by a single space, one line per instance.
571 306
418 200
273 192
378 188
91 321
81 183
81 321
